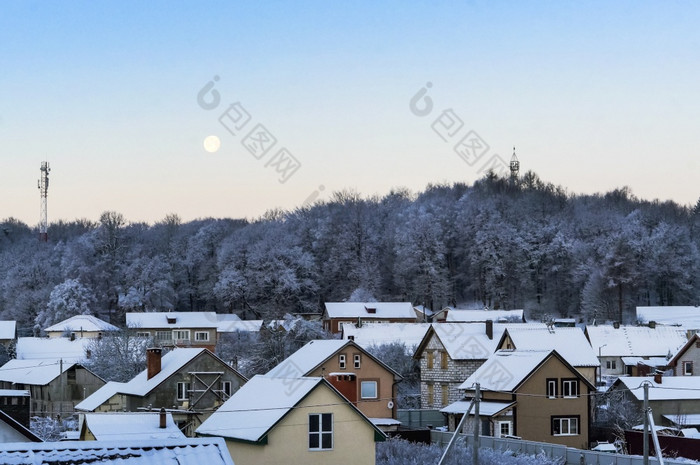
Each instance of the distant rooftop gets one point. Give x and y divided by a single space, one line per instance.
686 316
130 425
376 334
172 320
458 315
42 348
8 329
636 341
79 323
372 310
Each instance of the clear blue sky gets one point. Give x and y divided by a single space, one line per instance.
594 95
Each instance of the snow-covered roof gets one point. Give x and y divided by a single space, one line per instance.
130 425
41 348
257 406
474 316
79 323
686 316
308 357
684 419
34 372
651 361
505 369
570 343
372 310
100 396
140 385
375 334
189 451
14 393
486 408
21 432
231 326
635 341
468 341
384 421
8 329
172 320
670 388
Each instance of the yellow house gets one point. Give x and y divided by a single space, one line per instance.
80 326
278 421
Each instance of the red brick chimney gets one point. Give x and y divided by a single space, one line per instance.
489 329
162 418
153 355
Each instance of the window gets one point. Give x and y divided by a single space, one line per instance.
505 428
552 388
611 365
569 387
431 395
183 391
341 361
443 360
368 389
429 359
143 334
357 359
226 388
445 391
181 334
565 426
201 336
687 368
164 335
321 431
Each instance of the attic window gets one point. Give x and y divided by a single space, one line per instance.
371 309
171 320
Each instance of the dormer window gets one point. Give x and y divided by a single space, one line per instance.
372 310
171 320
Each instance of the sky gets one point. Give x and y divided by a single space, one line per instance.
297 100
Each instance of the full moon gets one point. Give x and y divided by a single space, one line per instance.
212 144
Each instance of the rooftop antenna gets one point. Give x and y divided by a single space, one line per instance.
514 167
44 190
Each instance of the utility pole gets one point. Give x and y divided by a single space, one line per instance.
645 441
60 400
456 432
477 425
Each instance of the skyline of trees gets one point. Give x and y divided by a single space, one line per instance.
495 243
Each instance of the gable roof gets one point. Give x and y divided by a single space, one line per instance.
8 329
231 326
34 372
670 388
376 334
635 341
691 342
82 323
474 316
19 427
467 341
260 404
141 386
507 370
190 451
43 348
570 343
152 320
388 310
134 425
315 353
687 316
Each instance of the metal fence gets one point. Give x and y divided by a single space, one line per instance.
420 418
570 455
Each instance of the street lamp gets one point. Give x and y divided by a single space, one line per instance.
600 373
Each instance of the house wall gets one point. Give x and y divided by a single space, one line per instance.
287 442
690 355
369 371
533 413
334 324
619 366
210 345
62 394
78 334
451 377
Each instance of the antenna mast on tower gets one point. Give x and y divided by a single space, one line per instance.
514 167
44 190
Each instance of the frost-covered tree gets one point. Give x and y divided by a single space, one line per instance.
118 355
400 358
67 299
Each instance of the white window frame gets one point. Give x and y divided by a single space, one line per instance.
341 361
143 334
552 388
573 386
499 428
164 335
321 433
362 391
226 388
182 332
197 335
183 389
357 360
566 423
687 364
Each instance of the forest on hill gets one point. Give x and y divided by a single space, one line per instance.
502 244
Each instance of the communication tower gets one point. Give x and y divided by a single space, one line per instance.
514 167
44 190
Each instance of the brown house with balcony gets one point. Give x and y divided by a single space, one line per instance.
358 313
535 395
176 329
367 382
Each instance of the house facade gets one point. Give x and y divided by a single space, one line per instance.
368 383
535 395
336 313
686 362
176 329
278 421
80 326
